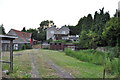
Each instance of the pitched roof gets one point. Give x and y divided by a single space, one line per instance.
7 36
22 34
23 37
57 28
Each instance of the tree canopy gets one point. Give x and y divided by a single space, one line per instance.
46 23
91 29
24 29
2 29
111 32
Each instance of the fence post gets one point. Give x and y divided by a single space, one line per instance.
0 58
11 55
104 74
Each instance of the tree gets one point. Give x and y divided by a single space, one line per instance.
111 32
91 29
24 29
85 23
41 34
93 39
34 33
46 24
117 13
2 29
88 22
84 39
74 30
100 20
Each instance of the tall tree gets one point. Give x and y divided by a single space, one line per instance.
100 20
74 30
91 29
45 24
41 34
34 33
111 32
84 39
85 23
2 29
24 29
42 29
88 22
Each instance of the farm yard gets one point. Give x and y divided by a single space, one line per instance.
42 63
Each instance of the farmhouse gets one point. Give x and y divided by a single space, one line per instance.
23 39
62 33
57 33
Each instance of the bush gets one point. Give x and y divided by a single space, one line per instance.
113 51
89 55
59 41
115 67
111 66
108 65
26 46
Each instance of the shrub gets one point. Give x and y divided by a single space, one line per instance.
89 55
111 66
108 65
26 46
115 66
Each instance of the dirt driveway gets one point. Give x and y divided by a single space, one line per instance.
48 64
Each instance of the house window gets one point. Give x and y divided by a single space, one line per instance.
16 46
52 32
63 32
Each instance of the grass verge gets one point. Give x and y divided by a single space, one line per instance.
79 69
21 64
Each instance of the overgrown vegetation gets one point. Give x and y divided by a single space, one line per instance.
26 46
79 69
108 60
91 56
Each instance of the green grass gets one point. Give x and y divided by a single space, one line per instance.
44 69
97 57
91 56
78 68
21 65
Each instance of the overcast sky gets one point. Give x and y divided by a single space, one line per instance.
17 14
